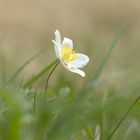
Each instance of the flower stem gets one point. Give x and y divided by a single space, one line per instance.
122 119
47 80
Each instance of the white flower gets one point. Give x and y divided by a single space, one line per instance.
71 60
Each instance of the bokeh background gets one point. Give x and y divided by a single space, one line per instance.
74 107
27 26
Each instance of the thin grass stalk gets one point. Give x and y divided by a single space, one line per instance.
123 118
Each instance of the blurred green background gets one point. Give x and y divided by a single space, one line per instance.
27 26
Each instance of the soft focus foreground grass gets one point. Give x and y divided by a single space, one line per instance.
71 110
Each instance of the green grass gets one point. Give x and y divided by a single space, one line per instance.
100 111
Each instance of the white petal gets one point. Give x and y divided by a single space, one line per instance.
57 43
75 70
80 62
78 71
57 37
56 49
68 42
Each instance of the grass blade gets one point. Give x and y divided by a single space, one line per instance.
40 74
14 76
123 118
108 53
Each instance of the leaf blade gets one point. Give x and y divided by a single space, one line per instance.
40 74
14 76
108 53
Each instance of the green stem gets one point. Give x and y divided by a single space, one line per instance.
122 119
47 81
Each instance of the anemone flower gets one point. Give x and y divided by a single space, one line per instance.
71 60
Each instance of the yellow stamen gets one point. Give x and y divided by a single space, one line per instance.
68 54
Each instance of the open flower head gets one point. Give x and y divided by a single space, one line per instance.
71 60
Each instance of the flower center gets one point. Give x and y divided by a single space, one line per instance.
68 54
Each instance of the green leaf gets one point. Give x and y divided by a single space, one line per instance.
14 76
108 53
30 82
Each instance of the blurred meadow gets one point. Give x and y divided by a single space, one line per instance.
102 106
